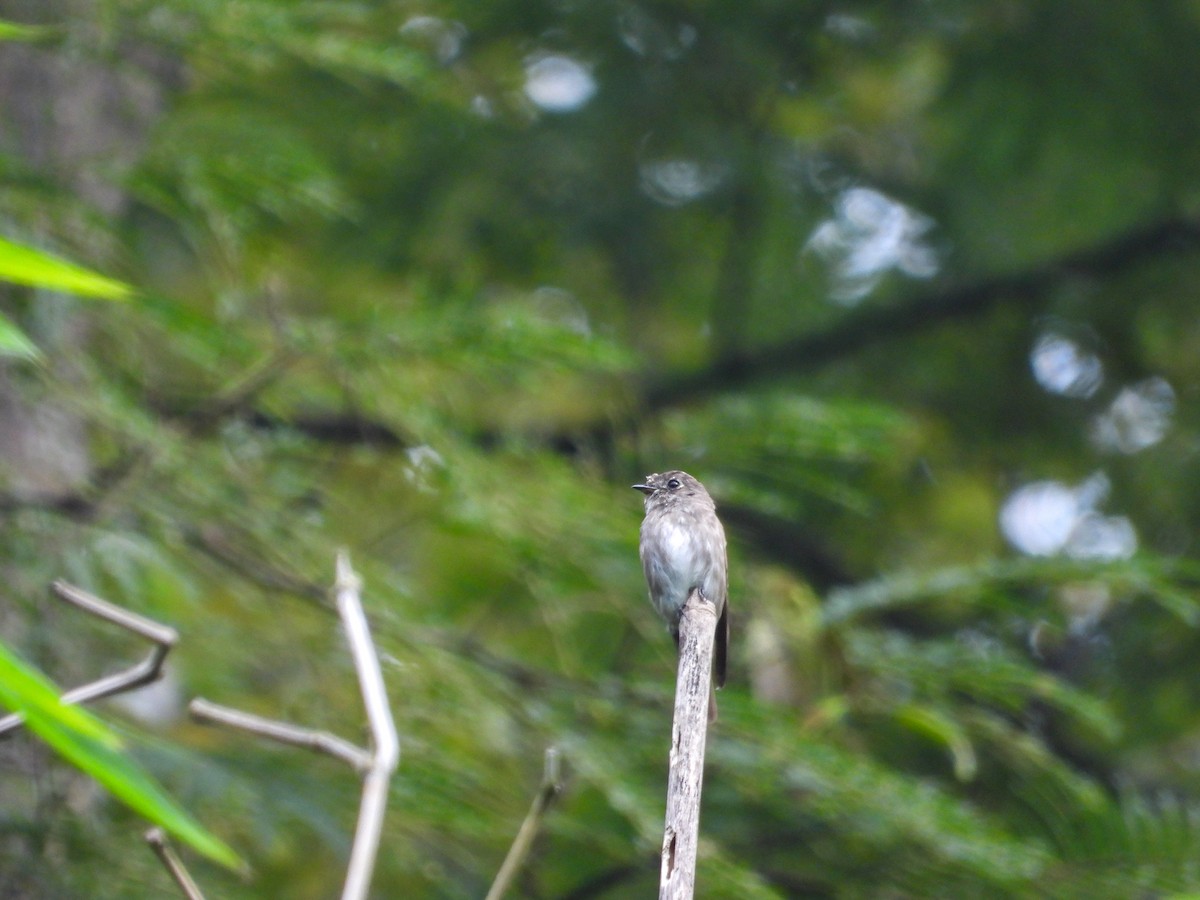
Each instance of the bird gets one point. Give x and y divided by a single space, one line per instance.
682 548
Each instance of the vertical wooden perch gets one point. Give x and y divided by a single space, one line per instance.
697 627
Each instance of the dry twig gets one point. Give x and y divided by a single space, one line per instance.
319 741
386 754
157 840
376 764
521 844
148 670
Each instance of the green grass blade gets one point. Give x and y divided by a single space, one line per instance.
14 343
25 265
16 31
92 747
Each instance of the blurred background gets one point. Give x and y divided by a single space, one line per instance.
912 287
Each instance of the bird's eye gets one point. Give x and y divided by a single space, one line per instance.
673 484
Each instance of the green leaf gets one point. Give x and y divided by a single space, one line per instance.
92 747
25 265
14 343
15 31
941 728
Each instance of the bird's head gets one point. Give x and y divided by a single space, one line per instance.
666 489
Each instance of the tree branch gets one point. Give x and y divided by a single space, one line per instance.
545 795
145 672
872 324
157 839
83 505
385 755
333 427
851 332
211 713
697 626
258 570
376 764
321 425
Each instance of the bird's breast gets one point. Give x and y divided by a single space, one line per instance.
677 538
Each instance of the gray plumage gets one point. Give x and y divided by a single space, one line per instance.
683 547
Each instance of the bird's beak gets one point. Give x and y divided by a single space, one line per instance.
644 488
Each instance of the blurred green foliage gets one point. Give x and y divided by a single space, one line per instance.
911 287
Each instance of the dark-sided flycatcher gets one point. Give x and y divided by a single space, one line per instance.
682 549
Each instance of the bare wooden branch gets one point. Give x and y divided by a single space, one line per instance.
697 626
376 764
386 753
157 840
145 672
547 791
320 741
